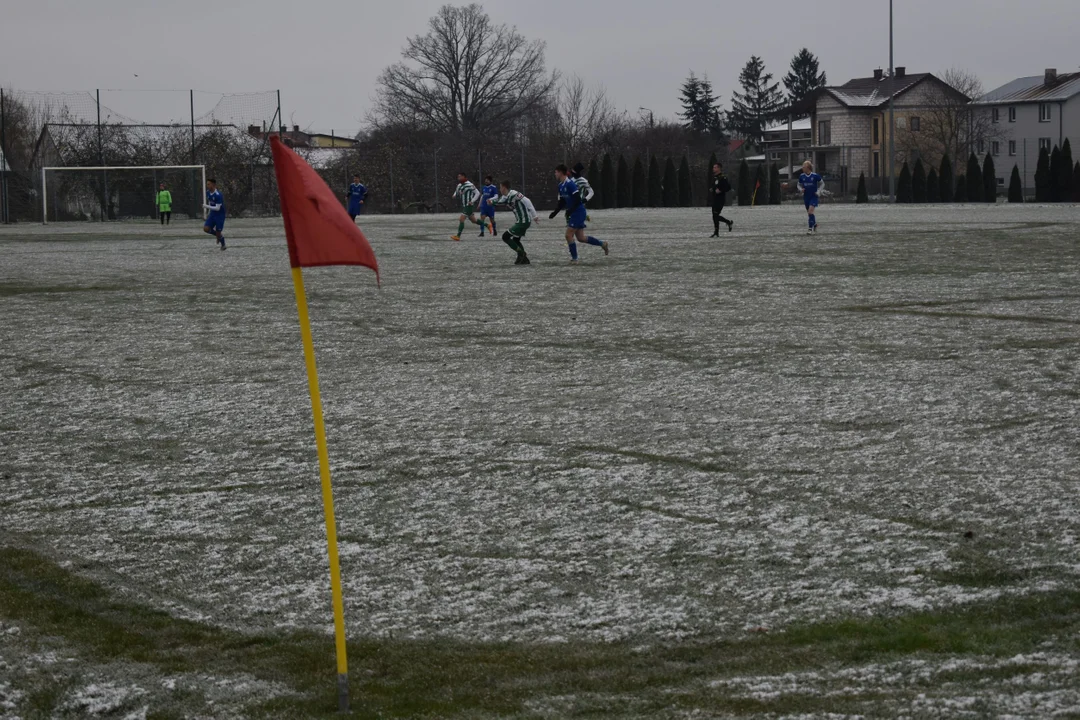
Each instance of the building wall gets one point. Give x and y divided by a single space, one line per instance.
1027 131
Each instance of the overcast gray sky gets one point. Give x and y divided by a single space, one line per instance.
325 55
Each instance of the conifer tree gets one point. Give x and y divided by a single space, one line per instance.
758 102
861 196
974 180
744 187
903 185
639 194
932 193
686 191
989 175
960 191
622 184
607 183
804 77
946 180
1065 180
671 185
774 185
1042 177
918 183
655 197
1016 186
594 178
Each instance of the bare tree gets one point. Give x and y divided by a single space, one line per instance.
948 124
587 118
465 74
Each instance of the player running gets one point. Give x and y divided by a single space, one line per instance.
720 188
164 204
587 192
357 195
810 184
467 196
215 203
524 216
487 210
570 198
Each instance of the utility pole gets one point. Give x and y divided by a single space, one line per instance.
3 162
892 115
101 161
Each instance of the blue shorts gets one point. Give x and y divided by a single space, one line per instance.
487 210
810 201
357 209
215 221
576 219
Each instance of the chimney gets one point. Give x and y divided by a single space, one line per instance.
296 128
879 74
254 130
901 71
1051 76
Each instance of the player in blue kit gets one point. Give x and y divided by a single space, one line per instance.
810 183
215 203
570 199
357 194
488 192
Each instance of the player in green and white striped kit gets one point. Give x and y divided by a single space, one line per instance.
587 192
524 215
468 197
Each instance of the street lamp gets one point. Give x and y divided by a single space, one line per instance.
643 110
892 117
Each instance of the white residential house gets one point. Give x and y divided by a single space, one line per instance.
1031 113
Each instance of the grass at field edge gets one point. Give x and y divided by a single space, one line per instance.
446 678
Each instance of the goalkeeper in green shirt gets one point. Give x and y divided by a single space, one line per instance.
164 204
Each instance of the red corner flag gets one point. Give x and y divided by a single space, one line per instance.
318 229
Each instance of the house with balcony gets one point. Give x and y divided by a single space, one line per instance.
850 129
1027 115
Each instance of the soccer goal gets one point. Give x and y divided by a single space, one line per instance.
120 192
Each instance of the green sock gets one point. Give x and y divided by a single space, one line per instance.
460 228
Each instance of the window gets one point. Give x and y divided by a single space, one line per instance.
1012 147
1044 112
996 115
877 164
916 124
825 132
995 148
901 122
877 135
982 147
1012 114
1044 143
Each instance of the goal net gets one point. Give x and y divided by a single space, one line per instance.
120 193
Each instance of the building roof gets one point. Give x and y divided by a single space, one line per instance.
800 125
1033 89
872 92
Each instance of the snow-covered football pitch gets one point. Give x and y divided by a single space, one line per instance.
765 474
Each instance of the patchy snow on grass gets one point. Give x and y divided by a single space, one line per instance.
689 438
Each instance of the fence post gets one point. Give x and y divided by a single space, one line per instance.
392 206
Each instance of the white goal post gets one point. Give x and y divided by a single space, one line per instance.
106 168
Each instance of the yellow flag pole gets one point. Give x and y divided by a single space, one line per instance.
327 491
